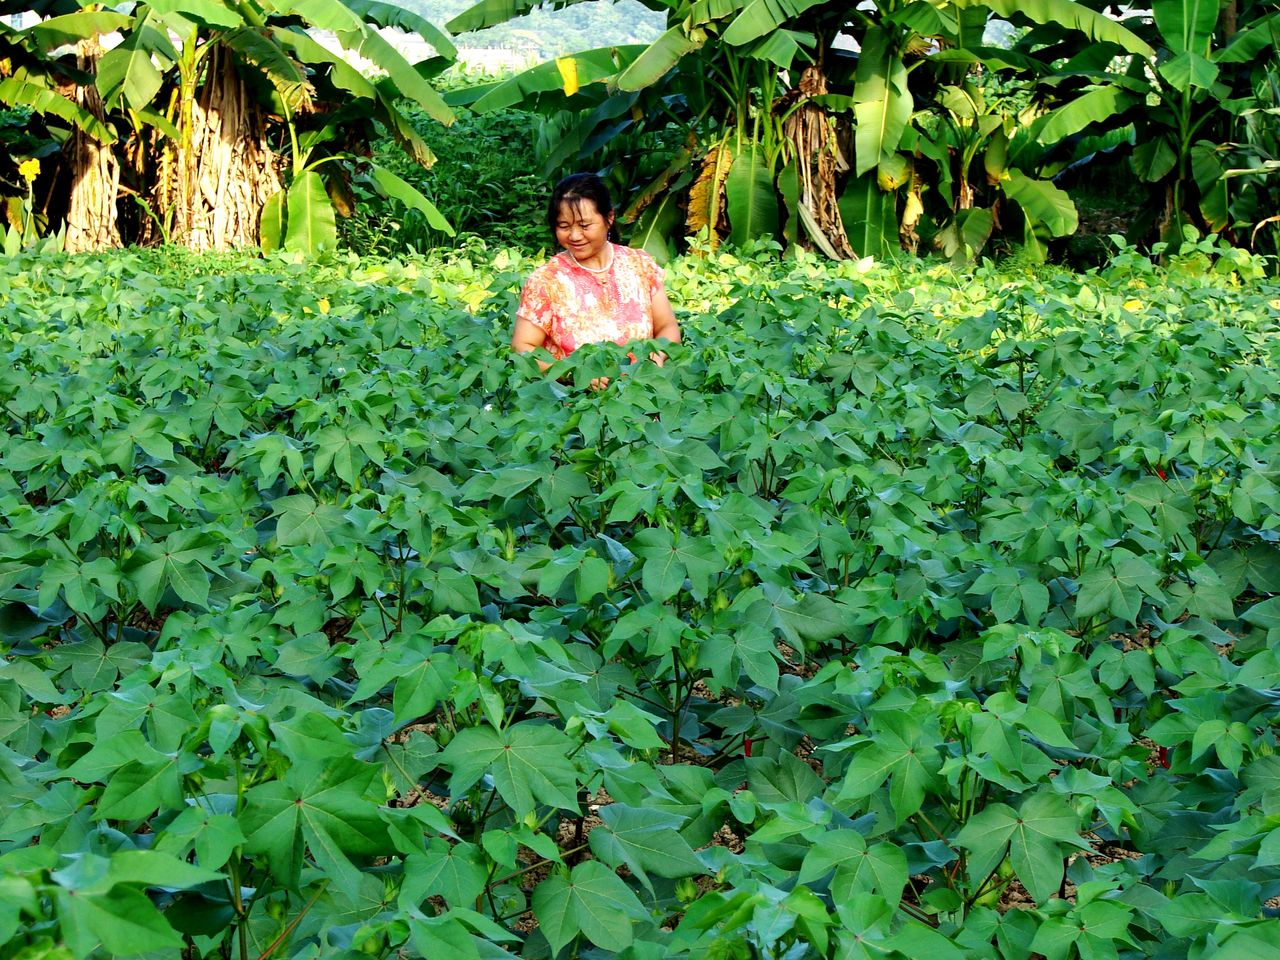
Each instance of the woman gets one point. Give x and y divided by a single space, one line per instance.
595 290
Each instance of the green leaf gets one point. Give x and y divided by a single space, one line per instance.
1251 41
1092 106
669 560
1154 159
592 901
1042 202
128 72
443 936
1265 614
1187 71
1075 16
881 868
817 618
883 103
151 869
527 762
835 849
420 686
1035 837
453 871
210 12
657 226
1118 587
645 841
657 58
752 203
271 226
1186 25
409 195
528 86
489 13
138 789
633 726
123 921
391 15
869 217
966 235
901 752
20 92
758 18
311 226
328 813
71 28
786 779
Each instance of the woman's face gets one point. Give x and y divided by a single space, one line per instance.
582 230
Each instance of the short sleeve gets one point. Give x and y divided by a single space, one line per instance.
535 302
655 276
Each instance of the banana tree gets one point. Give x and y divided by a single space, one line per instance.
1179 105
199 103
727 77
978 161
767 87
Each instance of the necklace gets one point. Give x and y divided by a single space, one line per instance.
605 269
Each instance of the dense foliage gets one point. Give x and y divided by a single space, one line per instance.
484 182
918 124
214 125
894 600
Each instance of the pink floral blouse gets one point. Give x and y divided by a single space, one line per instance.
574 306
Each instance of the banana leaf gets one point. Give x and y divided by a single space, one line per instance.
1076 16
659 223
1092 106
209 12
490 13
759 18
310 225
17 91
1258 38
127 72
869 216
1042 202
752 203
1186 25
883 103
390 15
525 88
74 27
657 58
398 189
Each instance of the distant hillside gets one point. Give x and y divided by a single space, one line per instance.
597 23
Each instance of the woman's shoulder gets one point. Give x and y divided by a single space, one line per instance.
549 270
639 260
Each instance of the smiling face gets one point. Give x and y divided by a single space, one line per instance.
583 231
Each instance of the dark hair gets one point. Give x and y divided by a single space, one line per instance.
575 188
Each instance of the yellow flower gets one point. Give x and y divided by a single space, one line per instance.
29 170
1133 306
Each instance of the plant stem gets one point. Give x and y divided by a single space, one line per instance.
284 934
